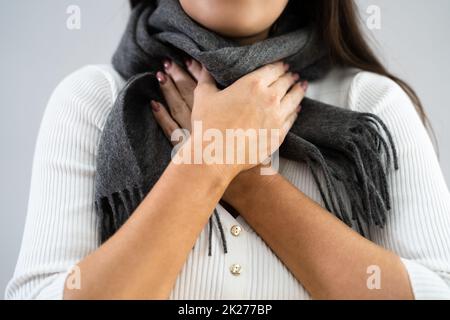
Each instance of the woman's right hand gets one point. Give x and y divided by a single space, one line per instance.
268 98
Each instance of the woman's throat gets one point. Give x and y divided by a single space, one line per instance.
253 39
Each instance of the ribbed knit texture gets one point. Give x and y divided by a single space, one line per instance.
61 222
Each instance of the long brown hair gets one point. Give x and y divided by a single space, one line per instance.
339 25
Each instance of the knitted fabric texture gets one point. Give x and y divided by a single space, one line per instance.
348 153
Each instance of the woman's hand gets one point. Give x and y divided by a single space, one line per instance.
268 98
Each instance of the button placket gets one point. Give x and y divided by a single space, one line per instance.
235 285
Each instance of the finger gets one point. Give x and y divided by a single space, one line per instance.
284 83
177 106
289 123
206 81
270 73
292 99
183 81
194 68
163 118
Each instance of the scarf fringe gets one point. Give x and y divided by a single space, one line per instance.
222 233
114 210
361 199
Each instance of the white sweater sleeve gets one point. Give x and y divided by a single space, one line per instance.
418 227
61 223
61 226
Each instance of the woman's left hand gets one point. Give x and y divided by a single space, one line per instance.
178 88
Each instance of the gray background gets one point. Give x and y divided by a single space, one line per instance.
37 51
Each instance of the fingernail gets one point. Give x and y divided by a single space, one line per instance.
161 77
305 85
286 66
155 106
296 76
188 62
299 108
167 64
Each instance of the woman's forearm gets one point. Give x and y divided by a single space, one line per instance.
327 257
144 258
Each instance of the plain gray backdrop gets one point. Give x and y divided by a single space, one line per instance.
38 50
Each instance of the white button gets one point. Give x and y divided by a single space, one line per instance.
236 230
235 269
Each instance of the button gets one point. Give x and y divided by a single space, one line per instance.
236 230
236 269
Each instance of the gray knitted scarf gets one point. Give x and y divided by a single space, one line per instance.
349 154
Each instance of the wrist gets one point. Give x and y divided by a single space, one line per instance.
246 185
188 155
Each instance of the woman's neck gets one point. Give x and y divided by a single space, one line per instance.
253 39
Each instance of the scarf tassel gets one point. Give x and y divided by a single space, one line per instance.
362 198
113 211
222 233
359 199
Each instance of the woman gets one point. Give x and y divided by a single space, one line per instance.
283 244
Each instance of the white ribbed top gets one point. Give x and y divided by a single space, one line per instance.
61 223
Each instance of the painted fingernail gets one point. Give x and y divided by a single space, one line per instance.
167 64
305 85
155 106
296 76
161 77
